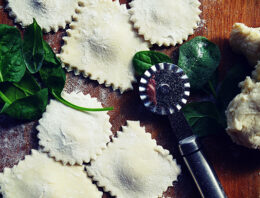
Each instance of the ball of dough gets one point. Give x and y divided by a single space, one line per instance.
245 40
243 115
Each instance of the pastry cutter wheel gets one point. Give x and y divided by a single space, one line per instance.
164 90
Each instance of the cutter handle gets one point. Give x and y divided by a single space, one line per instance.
200 169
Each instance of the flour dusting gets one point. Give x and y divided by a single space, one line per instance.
201 23
13 143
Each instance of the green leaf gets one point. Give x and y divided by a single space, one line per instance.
199 58
67 103
204 118
28 84
33 50
9 93
54 78
229 87
50 56
12 66
145 59
28 108
211 87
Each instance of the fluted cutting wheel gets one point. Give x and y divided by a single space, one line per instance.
164 88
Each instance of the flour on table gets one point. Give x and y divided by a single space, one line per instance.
165 22
101 44
133 165
201 24
50 15
41 176
73 136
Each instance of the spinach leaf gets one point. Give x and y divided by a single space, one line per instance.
12 66
145 59
9 93
29 107
54 78
211 87
33 50
204 118
49 55
199 58
28 84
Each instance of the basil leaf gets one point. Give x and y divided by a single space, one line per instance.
33 50
145 59
199 58
12 66
28 108
204 118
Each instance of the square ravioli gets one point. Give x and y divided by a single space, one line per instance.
73 136
39 176
133 165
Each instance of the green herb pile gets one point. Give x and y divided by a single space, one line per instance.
29 71
200 58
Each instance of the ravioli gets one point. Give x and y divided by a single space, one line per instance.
50 14
40 176
165 22
101 44
72 136
134 166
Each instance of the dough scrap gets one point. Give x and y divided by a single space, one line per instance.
165 22
50 14
243 113
39 176
134 166
73 136
246 40
101 44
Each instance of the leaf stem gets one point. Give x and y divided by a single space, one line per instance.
1 77
212 89
4 98
27 92
77 107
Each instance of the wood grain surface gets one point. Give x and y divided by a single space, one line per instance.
238 168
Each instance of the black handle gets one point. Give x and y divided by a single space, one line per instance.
200 169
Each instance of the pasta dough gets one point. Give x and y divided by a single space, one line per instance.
39 176
165 22
246 40
243 113
101 44
50 14
73 136
134 166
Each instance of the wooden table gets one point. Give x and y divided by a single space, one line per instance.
238 168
